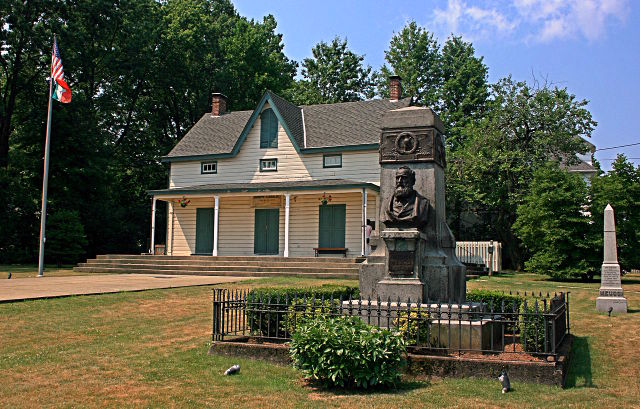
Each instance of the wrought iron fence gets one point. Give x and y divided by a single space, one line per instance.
537 325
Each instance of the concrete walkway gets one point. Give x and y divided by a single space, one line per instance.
49 287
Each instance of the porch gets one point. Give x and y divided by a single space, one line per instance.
286 219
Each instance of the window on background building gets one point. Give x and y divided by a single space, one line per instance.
332 161
209 167
268 165
268 129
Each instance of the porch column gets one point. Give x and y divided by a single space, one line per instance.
286 224
364 221
153 226
216 213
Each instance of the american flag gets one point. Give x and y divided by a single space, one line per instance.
60 89
56 63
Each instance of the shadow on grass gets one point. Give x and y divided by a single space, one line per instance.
579 375
406 385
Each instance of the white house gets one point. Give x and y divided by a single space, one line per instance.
281 179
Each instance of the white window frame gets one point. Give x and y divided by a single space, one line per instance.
332 165
269 165
213 168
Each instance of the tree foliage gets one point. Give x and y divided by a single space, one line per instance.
620 187
522 129
333 74
553 224
142 73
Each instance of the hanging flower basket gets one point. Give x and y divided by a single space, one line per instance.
184 201
324 199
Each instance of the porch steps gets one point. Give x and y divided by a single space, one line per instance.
312 267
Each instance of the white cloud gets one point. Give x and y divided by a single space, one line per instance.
531 20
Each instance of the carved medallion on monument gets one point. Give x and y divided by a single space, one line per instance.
415 145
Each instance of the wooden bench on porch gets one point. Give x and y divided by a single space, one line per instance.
331 250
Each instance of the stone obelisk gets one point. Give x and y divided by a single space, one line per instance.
611 298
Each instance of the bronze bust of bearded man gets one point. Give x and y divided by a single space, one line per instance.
406 207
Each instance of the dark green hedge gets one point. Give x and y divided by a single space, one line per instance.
495 298
267 307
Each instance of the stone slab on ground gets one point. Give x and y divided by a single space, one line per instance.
51 287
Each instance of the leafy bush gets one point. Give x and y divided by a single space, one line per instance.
415 328
532 326
302 310
267 308
346 352
495 298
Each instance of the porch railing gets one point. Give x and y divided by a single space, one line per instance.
488 253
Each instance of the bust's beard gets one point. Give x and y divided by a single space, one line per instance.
403 191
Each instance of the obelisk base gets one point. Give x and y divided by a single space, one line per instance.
617 304
611 294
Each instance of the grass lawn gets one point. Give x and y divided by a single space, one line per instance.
149 349
24 271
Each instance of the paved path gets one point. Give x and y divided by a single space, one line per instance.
48 287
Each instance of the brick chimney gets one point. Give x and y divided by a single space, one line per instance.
218 104
395 87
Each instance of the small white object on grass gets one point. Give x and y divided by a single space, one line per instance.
233 370
504 380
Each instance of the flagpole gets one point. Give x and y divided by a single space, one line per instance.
45 184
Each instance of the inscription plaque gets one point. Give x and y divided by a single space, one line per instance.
415 145
401 262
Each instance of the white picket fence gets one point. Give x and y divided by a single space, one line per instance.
478 252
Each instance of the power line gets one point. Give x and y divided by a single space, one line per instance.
617 159
616 147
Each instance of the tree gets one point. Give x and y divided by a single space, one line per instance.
521 130
65 237
142 73
333 74
414 55
620 187
553 225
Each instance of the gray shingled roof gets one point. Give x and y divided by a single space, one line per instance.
348 123
212 134
268 186
327 125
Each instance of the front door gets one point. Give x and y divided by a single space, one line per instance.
266 231
332 226
204 231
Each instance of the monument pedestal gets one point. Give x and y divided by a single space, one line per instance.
611 294
450 326
611 297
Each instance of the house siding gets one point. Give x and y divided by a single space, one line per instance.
236 224
245 166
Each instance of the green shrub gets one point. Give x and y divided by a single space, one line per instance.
267 308
532 325
416 329
302 310
346 352
495 298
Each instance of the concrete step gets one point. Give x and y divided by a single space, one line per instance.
215 263
340 259
214 268
217 273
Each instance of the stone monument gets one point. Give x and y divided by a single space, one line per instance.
415 253
611 295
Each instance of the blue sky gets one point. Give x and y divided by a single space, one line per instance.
591 47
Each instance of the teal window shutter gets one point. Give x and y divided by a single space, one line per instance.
268 129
